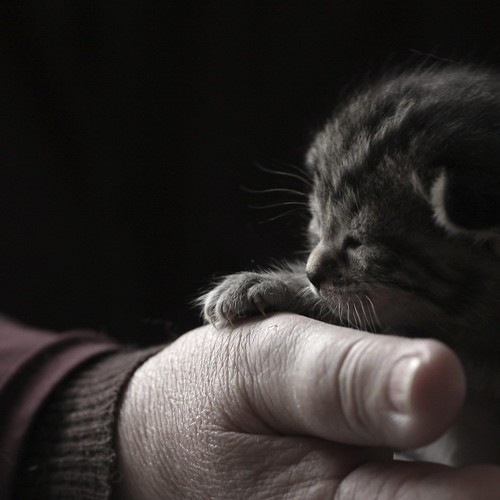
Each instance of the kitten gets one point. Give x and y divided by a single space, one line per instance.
404 233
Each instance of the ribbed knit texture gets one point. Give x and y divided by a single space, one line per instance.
70 453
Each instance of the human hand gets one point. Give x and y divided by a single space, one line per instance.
288 407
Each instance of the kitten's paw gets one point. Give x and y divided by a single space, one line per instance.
241 295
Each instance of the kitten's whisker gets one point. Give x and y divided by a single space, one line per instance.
363 313
282 215
377 320
338 312
372 321
338 308
301 252
366 320
343 307
274 190
356 312
319 308
304 180
282 163
281 204
367 323
325 311
355 315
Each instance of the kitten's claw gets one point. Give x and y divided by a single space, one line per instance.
241 295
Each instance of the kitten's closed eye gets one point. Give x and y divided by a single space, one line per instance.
350 243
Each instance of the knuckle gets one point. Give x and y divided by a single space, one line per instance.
354 390
341 386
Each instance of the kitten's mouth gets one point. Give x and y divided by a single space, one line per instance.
380 309
351 307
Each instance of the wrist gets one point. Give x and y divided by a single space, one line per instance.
136 440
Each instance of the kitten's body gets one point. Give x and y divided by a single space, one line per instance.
404 210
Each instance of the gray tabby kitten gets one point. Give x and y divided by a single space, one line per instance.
404 233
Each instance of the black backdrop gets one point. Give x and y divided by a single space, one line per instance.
128 128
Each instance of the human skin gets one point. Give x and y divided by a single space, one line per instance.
289 407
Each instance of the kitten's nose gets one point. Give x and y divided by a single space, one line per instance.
322 267
324 272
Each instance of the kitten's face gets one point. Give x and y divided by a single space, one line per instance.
381 258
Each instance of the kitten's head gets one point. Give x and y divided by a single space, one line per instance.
406 206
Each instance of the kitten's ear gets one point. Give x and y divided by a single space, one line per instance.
466 195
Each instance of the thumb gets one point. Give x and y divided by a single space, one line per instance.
302 376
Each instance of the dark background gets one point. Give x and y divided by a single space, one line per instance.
127 130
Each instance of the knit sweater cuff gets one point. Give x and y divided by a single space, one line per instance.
71 452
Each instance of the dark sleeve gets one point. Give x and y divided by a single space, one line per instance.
70 452
33 363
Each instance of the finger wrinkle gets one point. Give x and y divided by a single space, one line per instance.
352 382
